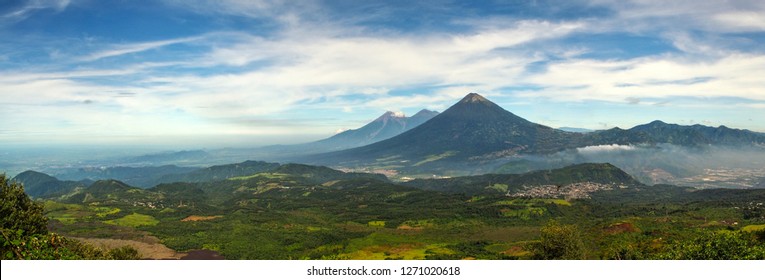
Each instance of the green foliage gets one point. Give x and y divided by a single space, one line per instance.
18 211
624 249
308 212
123 253
754 228
51 246
376 223
24 233
559 242
135 220
719 245
501 183
469 250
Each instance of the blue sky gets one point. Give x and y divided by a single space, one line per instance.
236 73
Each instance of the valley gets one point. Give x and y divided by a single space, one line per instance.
739 178
473 182
307 212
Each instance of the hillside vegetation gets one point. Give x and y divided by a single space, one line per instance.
309 212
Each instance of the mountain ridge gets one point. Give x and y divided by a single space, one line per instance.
387 125
475 120
477 130
40 185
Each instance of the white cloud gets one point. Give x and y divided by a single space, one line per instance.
735 75
301 67
283 11
352 69
31 6
708 15
605 149
124 49
743 20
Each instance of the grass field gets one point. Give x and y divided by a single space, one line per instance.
432 158
134 220
750 228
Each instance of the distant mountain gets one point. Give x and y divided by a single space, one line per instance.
696 135
473 129
170 157
143 177
41 185
384 127
603 173
321 174
476 131
658 132
220 172
575 129
217 184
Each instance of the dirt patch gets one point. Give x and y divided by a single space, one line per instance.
203 255
516 251
195 218
621 228
408 227
147 250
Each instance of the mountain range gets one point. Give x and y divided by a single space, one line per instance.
41 185
387 125
474 136
477 130
226 181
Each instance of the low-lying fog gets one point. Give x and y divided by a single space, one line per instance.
702 167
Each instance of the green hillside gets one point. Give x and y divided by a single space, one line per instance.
310 212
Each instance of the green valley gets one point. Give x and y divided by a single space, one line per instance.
308 212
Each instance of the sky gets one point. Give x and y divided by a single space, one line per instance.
237 73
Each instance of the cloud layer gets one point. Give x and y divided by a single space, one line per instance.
315 59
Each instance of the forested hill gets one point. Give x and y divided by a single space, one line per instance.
604 173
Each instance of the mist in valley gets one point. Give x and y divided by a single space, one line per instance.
702 167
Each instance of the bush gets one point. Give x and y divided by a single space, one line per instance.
559 242
719 245
24 234
18 211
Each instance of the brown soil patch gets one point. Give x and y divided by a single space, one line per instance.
147 250
408 227
203 255
516 251
621 228
195 218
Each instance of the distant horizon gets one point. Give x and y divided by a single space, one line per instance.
238 73
208 142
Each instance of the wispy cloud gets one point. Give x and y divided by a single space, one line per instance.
124 49
709 15
656 77
281 11
30 6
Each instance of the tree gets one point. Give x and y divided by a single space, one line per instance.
18 211
559 242
24 233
